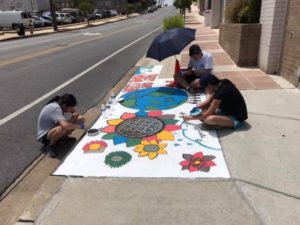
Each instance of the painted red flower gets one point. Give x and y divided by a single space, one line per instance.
197 162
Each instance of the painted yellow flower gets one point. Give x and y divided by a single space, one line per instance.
151 149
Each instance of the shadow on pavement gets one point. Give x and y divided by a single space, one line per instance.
225 132
63 147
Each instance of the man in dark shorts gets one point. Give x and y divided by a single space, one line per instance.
225 106
201 63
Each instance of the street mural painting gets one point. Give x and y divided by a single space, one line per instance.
117 159
157 98
144 77
94 146
197 162
132 128
144 136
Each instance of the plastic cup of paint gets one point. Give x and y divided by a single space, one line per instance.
195 111
93 132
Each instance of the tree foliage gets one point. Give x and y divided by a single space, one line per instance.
86 6
182 5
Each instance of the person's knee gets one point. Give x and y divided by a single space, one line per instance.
56 131
210 120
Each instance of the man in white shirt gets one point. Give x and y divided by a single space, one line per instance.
201 63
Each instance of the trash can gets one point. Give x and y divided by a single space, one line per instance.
207 17
20 30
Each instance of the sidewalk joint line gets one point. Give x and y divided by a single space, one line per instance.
267 188
275 116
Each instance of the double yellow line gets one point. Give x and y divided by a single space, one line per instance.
55 49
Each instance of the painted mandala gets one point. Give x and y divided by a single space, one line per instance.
132 128
95 146
117 159
151 149
197 162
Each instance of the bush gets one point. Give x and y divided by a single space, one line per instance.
244 15
173 22
243 11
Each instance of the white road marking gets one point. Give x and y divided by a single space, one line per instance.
47 95
92 34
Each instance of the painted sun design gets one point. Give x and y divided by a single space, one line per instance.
197 162
132 128
117 159
95 146
151 149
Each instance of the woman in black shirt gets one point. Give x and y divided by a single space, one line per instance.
225 105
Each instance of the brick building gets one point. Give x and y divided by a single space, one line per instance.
279 51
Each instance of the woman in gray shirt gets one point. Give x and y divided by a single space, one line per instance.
53 126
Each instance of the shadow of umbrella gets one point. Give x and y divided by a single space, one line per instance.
170 43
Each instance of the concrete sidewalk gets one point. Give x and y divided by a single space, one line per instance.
263 159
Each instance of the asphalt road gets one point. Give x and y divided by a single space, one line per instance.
35 69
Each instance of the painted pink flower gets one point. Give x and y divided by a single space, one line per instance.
197 162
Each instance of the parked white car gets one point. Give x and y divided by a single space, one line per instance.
66 18
14 19
113 12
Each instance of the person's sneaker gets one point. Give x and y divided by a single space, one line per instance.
50 152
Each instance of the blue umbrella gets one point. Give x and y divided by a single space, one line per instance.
170 42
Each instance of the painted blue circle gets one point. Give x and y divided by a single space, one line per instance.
159 98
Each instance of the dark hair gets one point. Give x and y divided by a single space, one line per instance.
67 99
209 79
194 50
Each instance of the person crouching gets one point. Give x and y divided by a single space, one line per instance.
225 107
53 126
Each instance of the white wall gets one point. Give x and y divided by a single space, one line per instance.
272 18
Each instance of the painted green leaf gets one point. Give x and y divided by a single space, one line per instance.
132 142
151 107
129 103
109 136
170 121
156 94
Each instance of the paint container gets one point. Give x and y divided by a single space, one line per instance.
119 100
195 111
93 132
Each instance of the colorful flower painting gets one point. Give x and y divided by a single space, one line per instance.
197 162
117 159
132 128
151 149
95 146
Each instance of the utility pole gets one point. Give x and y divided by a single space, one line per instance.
53 15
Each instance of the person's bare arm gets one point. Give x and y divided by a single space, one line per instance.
201 72
205 104
69 126
211 110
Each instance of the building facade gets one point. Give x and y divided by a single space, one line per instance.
290 55
279 51
24 5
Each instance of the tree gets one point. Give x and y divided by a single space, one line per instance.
86 6
182 5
